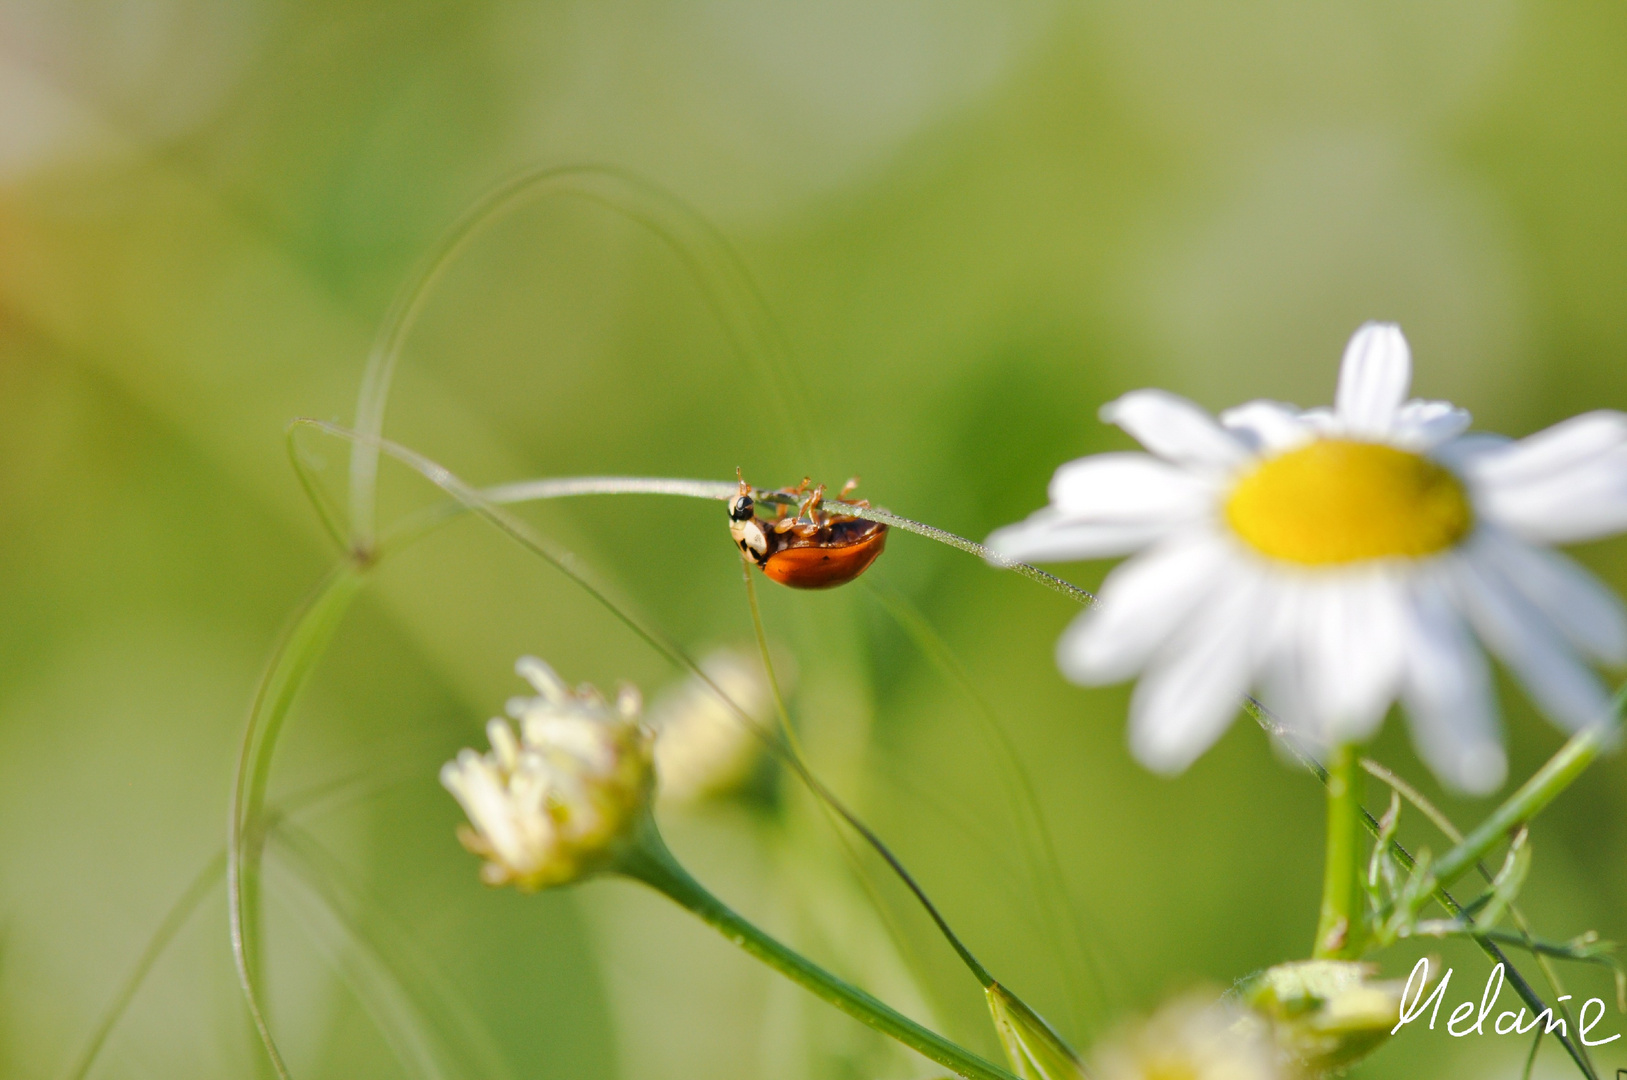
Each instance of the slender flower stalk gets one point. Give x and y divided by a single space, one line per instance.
1529 799
649 861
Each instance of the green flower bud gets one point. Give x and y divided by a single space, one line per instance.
1325 1014
1036 1051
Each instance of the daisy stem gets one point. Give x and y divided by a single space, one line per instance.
1338 933
649 861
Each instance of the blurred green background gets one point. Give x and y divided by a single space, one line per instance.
973 223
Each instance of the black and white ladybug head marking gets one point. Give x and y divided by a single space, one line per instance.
747 531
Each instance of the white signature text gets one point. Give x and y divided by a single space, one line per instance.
1414 1003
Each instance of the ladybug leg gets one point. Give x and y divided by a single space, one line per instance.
848 489
810 508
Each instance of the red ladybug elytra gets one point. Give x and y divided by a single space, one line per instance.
815 548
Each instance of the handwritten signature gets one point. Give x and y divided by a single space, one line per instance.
1414 1003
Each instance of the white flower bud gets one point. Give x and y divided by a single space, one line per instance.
702 748
1196 1039
548 805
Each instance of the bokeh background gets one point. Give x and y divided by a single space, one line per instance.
972 224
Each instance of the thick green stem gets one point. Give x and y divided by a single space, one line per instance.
1338 930
650 862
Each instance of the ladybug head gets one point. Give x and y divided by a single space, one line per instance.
742 508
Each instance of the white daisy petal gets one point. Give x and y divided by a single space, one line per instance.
1578 604
1373 379
1447 691
1190 693
1461 453
1422 425
1175 429
1049 536
1556 450
1562 485
1106 505
1268 426
1522 638
1351 642
1128 488
1585 504
1142 604
1322 420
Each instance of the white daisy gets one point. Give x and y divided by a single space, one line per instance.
549 805
1340 559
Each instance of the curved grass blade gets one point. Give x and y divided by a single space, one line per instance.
291 663
716 267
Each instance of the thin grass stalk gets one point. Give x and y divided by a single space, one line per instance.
718 270
174 920
1046 878
563 560
794 745
291 663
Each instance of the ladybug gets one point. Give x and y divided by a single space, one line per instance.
816 547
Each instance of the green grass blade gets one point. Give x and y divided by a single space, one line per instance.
291 663
705 253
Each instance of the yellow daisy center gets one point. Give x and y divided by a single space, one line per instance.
1338 501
